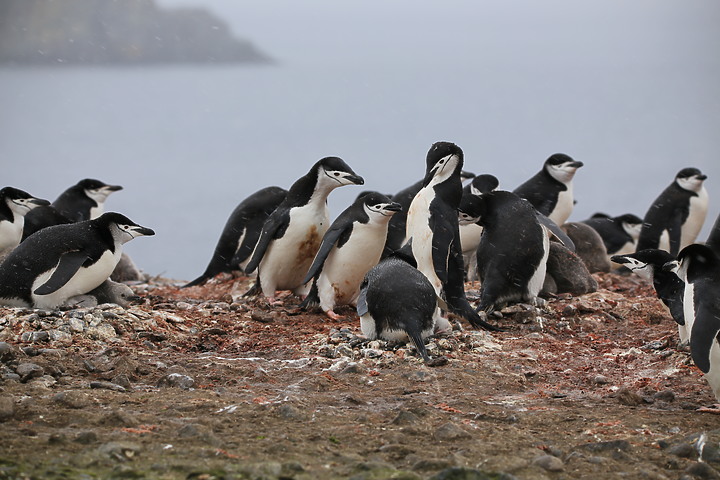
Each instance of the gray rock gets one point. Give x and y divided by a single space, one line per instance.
568 271
34 337
550 463
589 246
86 438
176 380
702 471
107 386
684 450
28 371
462 473
72 399
120 451
609 446
7 408
406 417
289 412
627 397
450 432
7 353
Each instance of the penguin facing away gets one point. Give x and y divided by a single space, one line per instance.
241 233
292 234
352 245
649 264
550 190
699 267
398 302
433 232
620 234
62 261
14 205
83 201
513 252
676 217
470 231
713 240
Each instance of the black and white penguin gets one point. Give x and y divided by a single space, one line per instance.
676 217
292 234
550 191
398 302
620 234
699 267
513 252
83 201
397 226
62 261
470 230
713 240
432 230
14 205
649 264
352 245
241 233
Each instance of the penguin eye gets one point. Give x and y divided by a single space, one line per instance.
337 174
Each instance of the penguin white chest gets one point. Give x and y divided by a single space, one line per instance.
11 233
288 258
84 280
564 206
713 375
418 229
696 218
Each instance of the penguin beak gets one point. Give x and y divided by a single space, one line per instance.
466 175
112 188
701 177
576 164
671 266
356 179
38 202
619 259
139 231
393 207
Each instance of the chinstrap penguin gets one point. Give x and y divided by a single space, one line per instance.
699 267
713 240
620 234
352 245
432 230
398 302
470 231
14 205
62 261
675 218
292 234
648 264
241 233
550 190
83 201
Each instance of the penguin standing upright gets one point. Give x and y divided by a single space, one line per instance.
470 230
432 230
241 233
713 240
699 267
620 234
14 205
676 217
291 236
83 201
352 245
398 302
63 261
550 190
513 252
649 264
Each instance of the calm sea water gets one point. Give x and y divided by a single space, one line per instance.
188 144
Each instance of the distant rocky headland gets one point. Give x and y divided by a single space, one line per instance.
97 32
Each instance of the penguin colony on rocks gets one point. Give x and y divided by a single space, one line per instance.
401 260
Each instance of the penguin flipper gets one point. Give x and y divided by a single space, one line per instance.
555 230
419 343
252 235
68 265
274 227
328 242
362 306
674 230
704 332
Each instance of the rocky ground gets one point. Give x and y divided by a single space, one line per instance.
203 384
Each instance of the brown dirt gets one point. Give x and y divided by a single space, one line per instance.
590 387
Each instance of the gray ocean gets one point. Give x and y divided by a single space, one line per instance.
189 143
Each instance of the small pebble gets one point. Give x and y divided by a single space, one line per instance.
549 462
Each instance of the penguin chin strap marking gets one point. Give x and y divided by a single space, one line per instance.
332 177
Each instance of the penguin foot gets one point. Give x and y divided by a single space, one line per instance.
334 315
711 409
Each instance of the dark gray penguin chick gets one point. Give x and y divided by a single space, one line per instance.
62 261
292 234
550 190
352 245
241 233
83 201
676 217
432 230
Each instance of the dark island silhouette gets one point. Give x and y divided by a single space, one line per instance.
99 32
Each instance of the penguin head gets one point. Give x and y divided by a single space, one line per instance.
334 172
19 201
444 159
695 261
122 228
644 262
562 167
631 224
97 190
470 209
484 184
378 206
690 179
